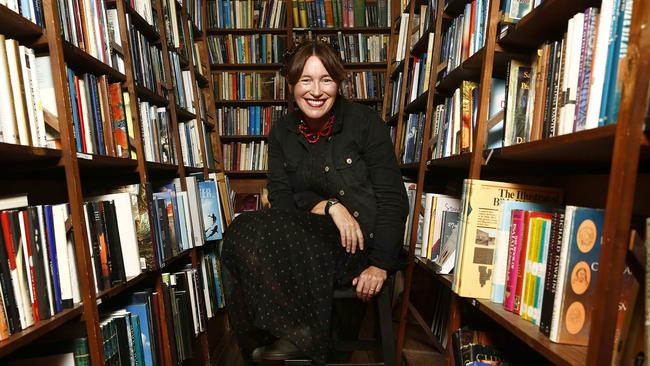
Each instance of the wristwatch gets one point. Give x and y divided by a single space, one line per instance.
330 202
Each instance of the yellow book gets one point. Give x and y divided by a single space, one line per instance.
480 216
296 13
302 8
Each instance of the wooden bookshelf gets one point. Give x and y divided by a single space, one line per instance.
617 154
80 173
345 30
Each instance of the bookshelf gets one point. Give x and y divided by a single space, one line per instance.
604 167
252 181
73 175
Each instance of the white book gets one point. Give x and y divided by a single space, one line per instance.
37 101
188 219
206 288
27 285
59 216
182 224
442 204
29 91
574 49
194 203
14 201
126 231
18 92
599 63
8 128
561 277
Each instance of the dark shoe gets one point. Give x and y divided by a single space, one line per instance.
281 350
256 355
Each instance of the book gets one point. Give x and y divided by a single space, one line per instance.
578 275
480 215
211 211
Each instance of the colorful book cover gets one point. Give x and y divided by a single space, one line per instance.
581 245
211 210
480 215
118 116
501 253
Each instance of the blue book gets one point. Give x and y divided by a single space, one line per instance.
54 266
610 66
137 339
211 210
75 116
140 308
617 77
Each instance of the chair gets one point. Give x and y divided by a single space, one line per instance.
387 342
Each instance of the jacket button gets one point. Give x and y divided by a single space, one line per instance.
372 235
341 193
329 138
327 169
348 160
355 214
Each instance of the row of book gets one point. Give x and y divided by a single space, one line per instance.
210 267
465 36
395 93
353 47
420 72
454 122
38 275
251 120
242 156
27 100
182 82
175 32
572 84
31 10
363 85
247 49
410 140
84 25
158 143
195 12
146 9
147 60
422 21
191 143
247 14
249 86
340 13
99 121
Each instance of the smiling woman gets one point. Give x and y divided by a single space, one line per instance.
337 217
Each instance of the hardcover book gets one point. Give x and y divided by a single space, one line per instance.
480 219
211 210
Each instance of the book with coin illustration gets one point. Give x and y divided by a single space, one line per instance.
578 273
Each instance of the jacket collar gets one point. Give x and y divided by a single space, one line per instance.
337 109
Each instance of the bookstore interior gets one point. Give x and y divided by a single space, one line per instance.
133 132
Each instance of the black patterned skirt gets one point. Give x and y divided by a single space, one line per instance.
280 269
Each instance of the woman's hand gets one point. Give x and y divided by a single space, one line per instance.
351 234
369 282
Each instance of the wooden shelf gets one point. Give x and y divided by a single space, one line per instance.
246 173
454 161
15 26
559 354
201 80
161 168
427 264
548 21
251 102
419 104
398 68
138 21
179 258
226 138
223 31
183 114
126 286
105 164
470 70
594 146
192 169
150 96
80 61
345 30
455 7
38 330
28 156
240 67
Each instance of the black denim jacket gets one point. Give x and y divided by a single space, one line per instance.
361 171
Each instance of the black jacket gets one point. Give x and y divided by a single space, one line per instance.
361 171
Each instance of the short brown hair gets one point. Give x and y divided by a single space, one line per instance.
327 55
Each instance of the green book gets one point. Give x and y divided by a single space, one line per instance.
81 353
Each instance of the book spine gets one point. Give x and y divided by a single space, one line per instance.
552 266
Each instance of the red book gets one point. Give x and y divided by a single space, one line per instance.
32 273
521 263
81 115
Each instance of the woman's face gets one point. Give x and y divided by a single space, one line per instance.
315 91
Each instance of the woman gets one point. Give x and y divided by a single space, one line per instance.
337 217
